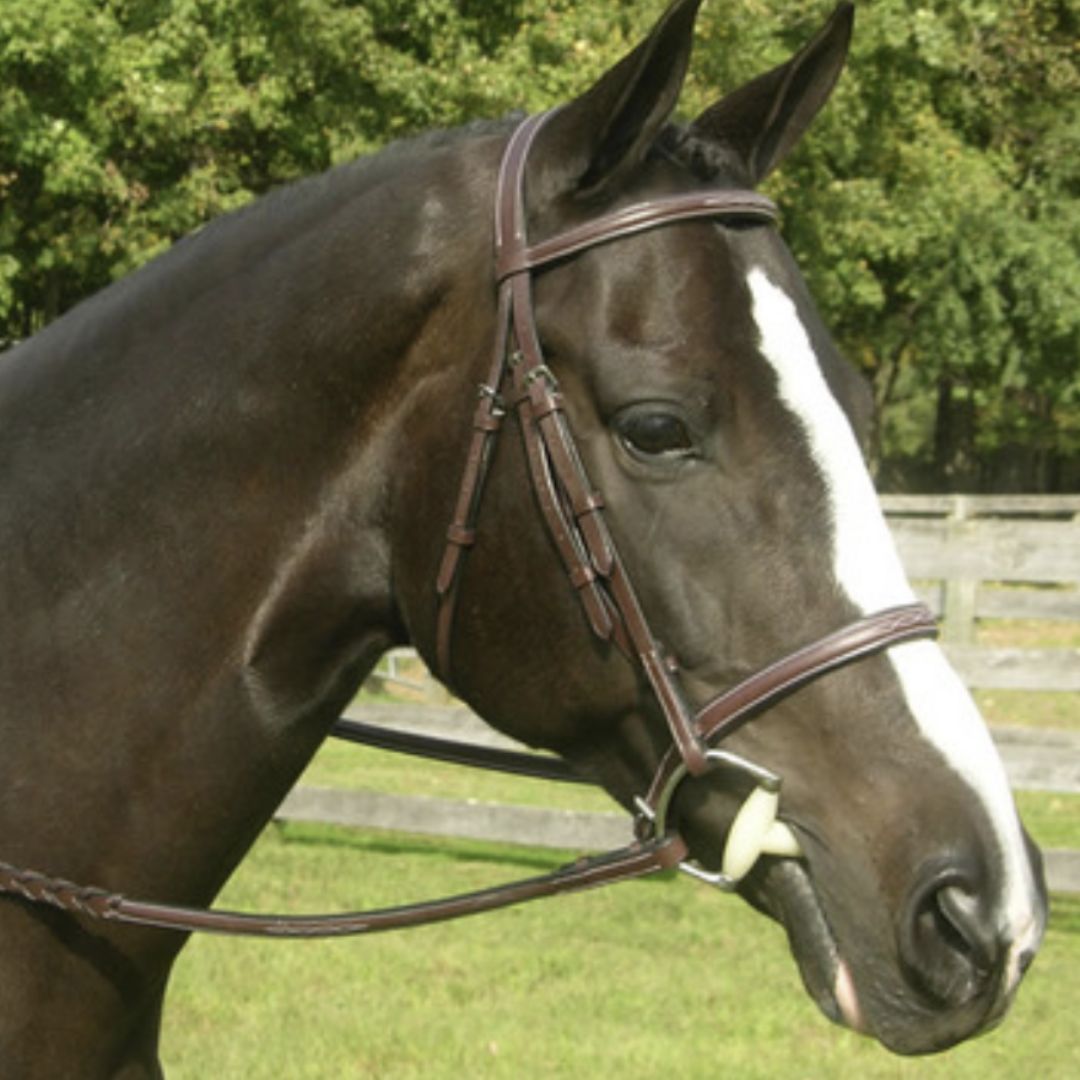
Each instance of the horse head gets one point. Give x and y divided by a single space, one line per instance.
227 482
722 429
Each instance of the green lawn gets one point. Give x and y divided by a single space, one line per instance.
647 979
654 978
660 978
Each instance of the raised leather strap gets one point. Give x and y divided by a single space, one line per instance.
454 752
720 717
490 408
461 533
634 861
584 545
572 511
638 218
715 720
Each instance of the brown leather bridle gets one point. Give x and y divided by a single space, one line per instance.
572 510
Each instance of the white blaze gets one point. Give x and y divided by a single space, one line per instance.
868 570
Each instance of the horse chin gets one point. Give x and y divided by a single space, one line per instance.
784 890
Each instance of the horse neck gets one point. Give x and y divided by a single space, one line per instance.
198 469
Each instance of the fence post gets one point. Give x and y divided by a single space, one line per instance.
958 594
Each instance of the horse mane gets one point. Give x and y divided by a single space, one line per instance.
352 177
707 161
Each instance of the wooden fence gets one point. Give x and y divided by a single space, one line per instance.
1034 761
995 557
972 558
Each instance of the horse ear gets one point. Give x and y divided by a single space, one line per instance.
592 143
763 120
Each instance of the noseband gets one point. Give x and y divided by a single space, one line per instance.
572 510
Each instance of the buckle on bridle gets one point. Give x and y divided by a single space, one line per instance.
488 393
541 371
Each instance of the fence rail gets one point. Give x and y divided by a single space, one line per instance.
987 668
994 557
1059 506
565 830
1034 761
987 557
971 557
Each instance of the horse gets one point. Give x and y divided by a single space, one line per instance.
235 478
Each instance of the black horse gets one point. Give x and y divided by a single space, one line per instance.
226 487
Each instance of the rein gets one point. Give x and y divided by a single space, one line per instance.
572 510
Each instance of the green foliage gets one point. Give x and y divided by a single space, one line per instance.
126 124
938 218
934 207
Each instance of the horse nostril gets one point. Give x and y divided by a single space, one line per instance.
1025 960
971 933
948 942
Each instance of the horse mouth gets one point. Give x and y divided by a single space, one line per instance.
765 856
783 888
764 859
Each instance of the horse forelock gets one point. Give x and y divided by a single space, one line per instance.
710 162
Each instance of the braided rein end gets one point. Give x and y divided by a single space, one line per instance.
58 893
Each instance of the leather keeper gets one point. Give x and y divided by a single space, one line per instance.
582 575
488 422
460 535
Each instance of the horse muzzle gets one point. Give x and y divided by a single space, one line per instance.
948 969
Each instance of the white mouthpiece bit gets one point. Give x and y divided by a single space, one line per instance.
780 840
756 832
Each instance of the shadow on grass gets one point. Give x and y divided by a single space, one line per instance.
1064 908
303 834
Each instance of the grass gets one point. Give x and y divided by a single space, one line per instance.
1059 711
647 979
650 978
1052 819
1028 633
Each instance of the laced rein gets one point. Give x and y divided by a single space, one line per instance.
572 511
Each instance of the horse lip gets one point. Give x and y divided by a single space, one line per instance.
784 887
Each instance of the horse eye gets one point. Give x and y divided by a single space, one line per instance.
656 434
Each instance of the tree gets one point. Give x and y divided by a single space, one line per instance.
126 124
937 214
934 205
